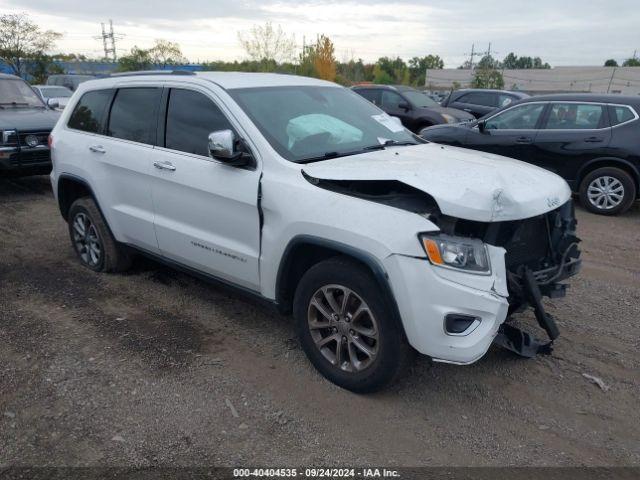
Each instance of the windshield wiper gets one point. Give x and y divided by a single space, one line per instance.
14 103
389 143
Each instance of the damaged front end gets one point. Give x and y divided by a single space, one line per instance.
541 252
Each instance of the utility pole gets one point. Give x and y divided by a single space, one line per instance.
473 46
611 79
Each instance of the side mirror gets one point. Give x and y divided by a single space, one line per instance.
51 103
223 147
482 128
404 106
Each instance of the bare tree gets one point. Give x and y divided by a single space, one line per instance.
268 43
21 39
165 53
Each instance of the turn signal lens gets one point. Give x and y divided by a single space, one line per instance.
431 247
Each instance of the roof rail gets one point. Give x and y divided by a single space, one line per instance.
152 72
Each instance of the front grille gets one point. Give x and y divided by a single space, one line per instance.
41 136
26 157
526 241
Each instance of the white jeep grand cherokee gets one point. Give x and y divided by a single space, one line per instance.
308 196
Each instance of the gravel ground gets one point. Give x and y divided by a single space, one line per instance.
154 367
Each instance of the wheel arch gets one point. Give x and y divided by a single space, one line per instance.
70 188
304 251
614 162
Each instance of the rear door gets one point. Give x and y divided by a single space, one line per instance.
572 134
476 103
510 133
206 212
113 132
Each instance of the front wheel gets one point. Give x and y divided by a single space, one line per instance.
346 328
607 191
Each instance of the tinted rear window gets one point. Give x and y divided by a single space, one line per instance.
133 114
89 112
620 114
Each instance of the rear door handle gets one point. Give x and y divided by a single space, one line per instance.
467 109
164 166
593 140
523 140
97 149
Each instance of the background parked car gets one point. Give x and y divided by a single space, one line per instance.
589 140
69 81
25 124
479 102
414 109
59 95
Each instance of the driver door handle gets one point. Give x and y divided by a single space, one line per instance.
97 149
164 166
593 139
523 140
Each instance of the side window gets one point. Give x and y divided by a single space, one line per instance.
133 114
89 112
391 100
372 95
191 117
575 116
620 114
504 100
486 99
522 117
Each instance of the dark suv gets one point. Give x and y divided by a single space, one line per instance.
589 140
479 102
25 124
415 109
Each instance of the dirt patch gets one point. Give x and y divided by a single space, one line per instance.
139 370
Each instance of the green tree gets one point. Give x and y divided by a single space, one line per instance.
512 61
631 62
137 59
418 67
164 53
22 41
487 78
611 63
382 76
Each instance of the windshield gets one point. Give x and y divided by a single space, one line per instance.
419 99
17 93
55 92
307 123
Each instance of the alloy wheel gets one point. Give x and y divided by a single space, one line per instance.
605 192
343 328
86 240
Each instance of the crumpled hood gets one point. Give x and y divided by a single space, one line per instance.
464 183
28 119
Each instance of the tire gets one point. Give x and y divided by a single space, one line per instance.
378 331
607 191
97 249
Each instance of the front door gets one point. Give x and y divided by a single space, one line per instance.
572 134
206 212
510 133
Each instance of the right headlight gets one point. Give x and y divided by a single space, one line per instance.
460 253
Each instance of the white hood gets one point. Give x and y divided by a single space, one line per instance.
465 183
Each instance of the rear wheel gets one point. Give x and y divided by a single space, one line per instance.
607 191
345 327
91 239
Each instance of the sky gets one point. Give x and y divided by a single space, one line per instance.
569 32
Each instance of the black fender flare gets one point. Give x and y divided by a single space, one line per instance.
380 274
